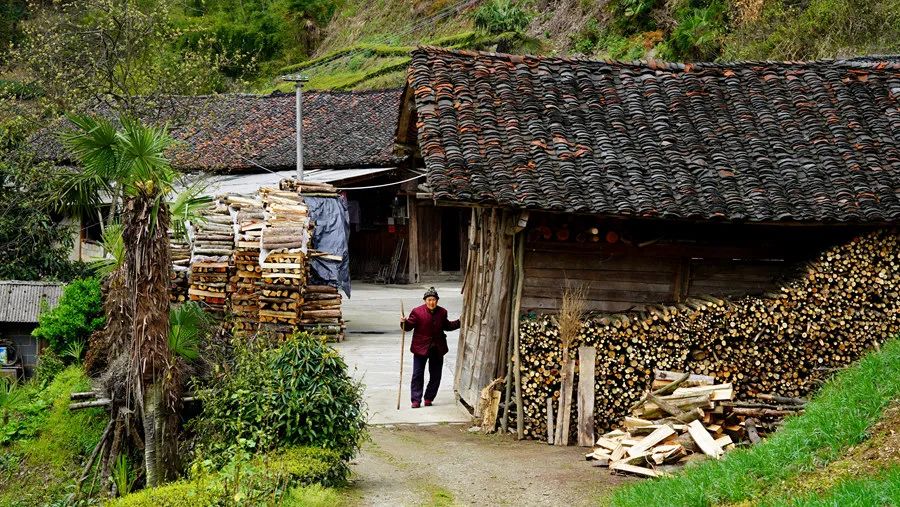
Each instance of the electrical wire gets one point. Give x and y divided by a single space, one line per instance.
384 185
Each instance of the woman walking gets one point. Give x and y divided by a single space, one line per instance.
429 324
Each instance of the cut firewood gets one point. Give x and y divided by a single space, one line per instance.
632 469
704 440
650 440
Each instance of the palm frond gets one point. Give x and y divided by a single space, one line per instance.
187 323
186 208
94 143
143 157
114 245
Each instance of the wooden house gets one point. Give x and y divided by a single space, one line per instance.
645 182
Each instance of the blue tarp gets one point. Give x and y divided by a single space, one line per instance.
332 235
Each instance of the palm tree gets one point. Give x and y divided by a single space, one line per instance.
131 161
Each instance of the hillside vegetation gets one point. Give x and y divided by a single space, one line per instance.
356 44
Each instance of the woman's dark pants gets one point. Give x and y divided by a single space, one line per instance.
435 362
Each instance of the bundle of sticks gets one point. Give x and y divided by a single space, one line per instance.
785 344
244 295
685 415
321 312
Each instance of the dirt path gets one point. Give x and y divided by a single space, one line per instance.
447 465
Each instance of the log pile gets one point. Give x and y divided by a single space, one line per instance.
321 312
688 414
284 261
785 344
211 258
181 267
250 220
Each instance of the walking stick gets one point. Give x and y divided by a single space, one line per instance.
402 347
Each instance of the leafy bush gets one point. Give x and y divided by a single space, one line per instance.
500 16
298 393
78 314
698 34
298 472
48 366
634 16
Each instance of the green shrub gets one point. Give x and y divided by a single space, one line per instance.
48 366
298 393
500 16
297 472
78 314
698 34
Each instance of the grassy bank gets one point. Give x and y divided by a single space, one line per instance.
839 417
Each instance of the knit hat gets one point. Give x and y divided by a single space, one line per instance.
431 293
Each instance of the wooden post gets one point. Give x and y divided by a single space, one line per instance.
564 418
550 426
413 231
586 359
520 282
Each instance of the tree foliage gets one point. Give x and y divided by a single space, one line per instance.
115 52
78 314
34 242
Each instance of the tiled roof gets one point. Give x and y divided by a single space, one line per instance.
21 301
751 141
231 133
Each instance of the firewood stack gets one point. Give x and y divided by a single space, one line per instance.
321 312
783 345
284 268
685 414
211 258
181 267
250 220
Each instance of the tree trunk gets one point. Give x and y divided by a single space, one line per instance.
147 281
153 418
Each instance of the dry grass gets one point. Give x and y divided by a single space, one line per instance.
571 312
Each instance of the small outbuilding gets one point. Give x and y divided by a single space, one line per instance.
20 305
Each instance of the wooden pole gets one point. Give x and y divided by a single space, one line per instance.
517 364
402 353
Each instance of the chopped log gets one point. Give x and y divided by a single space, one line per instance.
704 440
632 469
658 435
752 434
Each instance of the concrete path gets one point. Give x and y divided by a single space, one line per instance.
372 352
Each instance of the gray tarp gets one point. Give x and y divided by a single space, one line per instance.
332 236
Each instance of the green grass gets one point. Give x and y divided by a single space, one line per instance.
837 418
883 489
40 464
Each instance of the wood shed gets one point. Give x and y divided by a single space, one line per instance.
645 182
20 304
